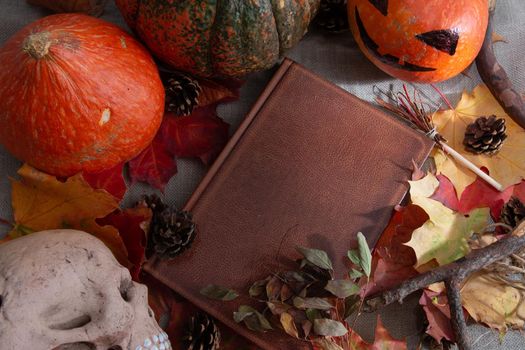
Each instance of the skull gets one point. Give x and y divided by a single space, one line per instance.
64 290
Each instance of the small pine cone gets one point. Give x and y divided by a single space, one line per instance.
203 333
182 93
172 231
485 135
513 212
333 16
153 202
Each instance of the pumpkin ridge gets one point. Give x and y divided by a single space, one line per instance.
239 38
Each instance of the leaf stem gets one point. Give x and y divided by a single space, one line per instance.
359 310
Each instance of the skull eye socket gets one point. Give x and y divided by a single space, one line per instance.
126 289
73 323
115 347
76 346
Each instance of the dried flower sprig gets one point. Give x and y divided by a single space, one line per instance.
307 303
416 111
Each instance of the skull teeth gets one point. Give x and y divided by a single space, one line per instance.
156 342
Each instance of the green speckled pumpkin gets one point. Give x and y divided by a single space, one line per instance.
219 38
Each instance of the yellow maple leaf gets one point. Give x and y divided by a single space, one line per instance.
444 237
491 301
41 202
507 166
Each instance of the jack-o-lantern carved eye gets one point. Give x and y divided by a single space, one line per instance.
381 5
387 59
444 40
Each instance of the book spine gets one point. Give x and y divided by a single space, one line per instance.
281 72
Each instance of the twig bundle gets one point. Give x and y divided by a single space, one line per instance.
414 110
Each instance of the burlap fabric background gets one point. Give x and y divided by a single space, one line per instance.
336 58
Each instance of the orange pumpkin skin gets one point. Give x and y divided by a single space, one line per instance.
423 41
77 94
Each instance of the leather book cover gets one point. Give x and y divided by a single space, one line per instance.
311 165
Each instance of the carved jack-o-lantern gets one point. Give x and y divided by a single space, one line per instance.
415 40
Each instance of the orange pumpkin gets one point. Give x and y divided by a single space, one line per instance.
423 41
77 93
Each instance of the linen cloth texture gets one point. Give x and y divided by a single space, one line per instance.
337 58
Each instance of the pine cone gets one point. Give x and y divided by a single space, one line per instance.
153 202
182 93
485 135
513 212
203 333
333 16
172 232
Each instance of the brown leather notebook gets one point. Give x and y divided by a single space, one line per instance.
311 165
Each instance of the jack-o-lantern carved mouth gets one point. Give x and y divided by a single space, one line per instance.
443 40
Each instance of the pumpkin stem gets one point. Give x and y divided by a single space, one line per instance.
37 45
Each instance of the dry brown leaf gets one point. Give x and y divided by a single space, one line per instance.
498 38
41 202
507 167
289 325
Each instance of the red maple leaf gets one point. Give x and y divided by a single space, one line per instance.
202 134
154 165
214 92
392 261
437 311
132 225
480 194
446 193
110 180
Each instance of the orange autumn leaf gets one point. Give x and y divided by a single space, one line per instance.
42 202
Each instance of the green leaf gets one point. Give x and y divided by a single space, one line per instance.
219 293
258 288
311 303
317 257
252 318
365 256
342 288
329 328
244 311
312 314
293 276
289 325
353 255
355 274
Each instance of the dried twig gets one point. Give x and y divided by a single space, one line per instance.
453 275
497 79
